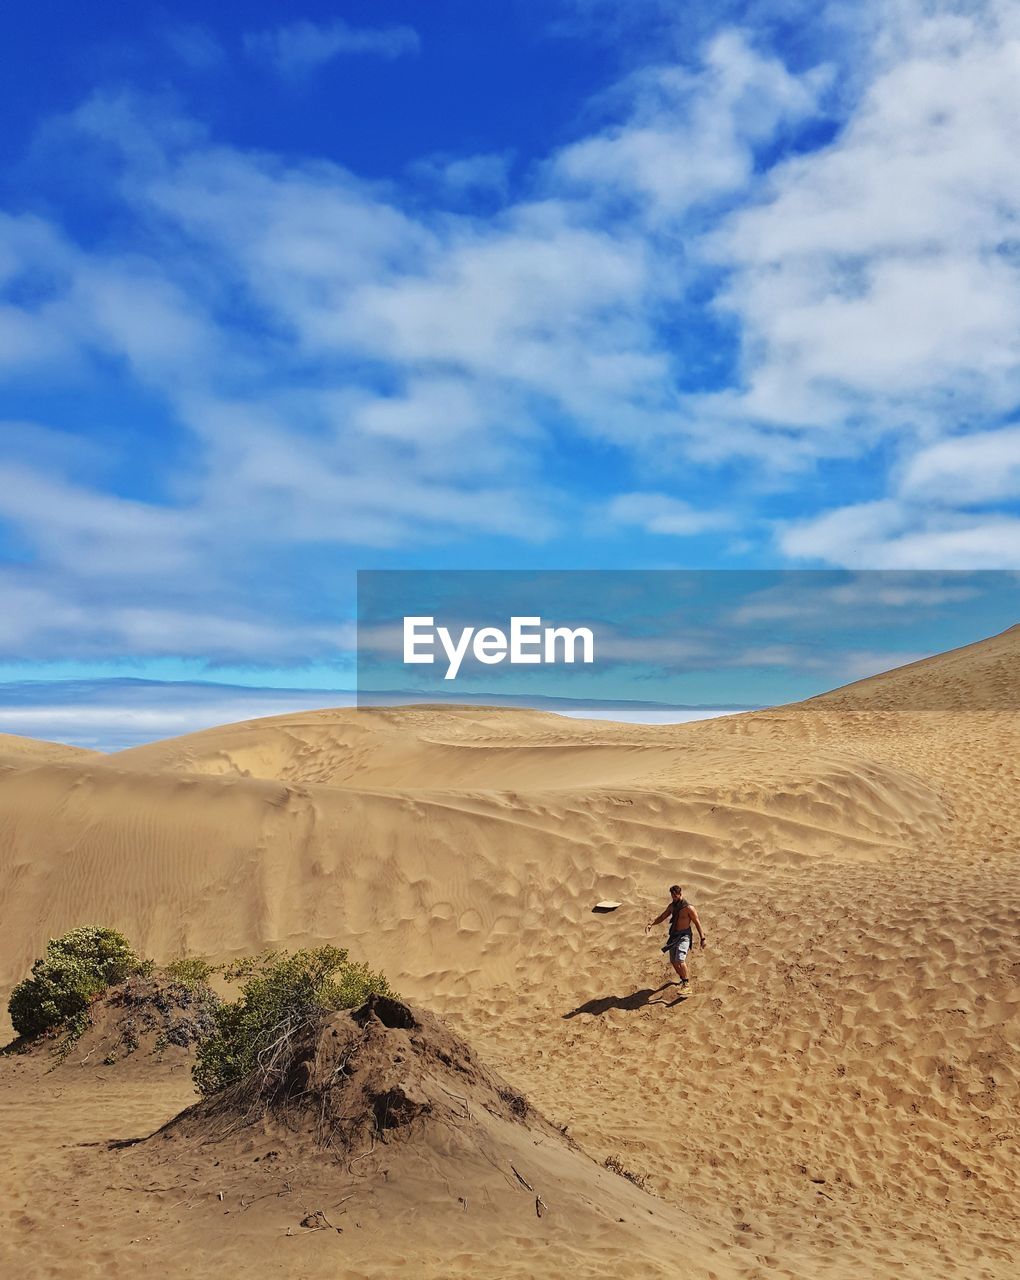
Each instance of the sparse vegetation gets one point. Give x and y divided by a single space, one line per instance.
283 994
76 968
517 1102
160 1011
191 971
615 1165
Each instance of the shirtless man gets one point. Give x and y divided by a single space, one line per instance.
682 916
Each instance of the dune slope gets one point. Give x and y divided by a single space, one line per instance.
976 677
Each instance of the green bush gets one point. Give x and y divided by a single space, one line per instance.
190 971
75 969
282 994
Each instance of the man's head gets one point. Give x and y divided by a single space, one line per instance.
675 891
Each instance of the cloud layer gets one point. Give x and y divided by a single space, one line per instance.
778 298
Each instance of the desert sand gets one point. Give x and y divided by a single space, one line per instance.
835 1096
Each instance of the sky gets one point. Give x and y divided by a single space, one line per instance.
289 292
686 638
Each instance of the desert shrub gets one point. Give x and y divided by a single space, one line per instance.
163 1009
517 1102
76 968
190 971
615 1165
281 995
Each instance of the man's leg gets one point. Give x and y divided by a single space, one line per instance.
678 956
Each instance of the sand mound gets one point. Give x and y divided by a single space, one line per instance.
383 1127
977 677
385 1068
140 1026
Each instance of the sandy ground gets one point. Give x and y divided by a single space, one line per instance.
836 1096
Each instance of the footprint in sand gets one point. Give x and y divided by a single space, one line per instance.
469 922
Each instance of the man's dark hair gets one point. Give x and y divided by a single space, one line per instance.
675 888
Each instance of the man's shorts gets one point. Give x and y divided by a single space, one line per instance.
679 946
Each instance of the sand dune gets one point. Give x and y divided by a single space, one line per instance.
17 751
838 1094
976 677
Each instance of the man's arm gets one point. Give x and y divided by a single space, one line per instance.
697 924
659 919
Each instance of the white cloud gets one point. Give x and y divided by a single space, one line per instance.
875 280
487 173
70 303
338 483
151 322
48 613
691 137
860 598
453 425
543 304
302 47
93 533
983 467
535 300
888 534
660 513
34 264
543 298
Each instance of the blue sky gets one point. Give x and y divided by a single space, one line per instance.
290 291
691 638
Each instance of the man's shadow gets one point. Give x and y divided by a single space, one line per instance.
636 1000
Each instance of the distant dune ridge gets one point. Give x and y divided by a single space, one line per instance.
16 750
838 1094
976 677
